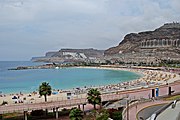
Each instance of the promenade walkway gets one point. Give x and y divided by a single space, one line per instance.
170 113
133 110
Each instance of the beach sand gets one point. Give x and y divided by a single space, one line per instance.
149 78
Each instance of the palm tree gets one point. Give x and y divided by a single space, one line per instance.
94 97
45 89
76 114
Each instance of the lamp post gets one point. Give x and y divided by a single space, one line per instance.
127 108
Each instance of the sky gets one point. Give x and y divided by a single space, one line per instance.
30 28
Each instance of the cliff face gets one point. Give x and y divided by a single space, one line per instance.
71 55
161 44
87 52
132 41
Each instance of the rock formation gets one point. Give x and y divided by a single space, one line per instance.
131 42
150 46
145 47
71 55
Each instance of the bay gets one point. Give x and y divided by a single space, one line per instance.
15 81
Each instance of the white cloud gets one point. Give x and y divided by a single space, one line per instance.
44 25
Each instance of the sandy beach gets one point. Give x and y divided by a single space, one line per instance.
149 78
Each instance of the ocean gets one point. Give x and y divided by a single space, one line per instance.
25 81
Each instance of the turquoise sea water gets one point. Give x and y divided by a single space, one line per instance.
12 81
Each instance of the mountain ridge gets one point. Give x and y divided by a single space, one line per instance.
130 41
71 55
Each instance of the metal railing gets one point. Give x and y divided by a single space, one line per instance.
61 102
158 112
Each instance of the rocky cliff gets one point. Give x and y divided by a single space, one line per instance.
87 52
132 42
145 47
71 55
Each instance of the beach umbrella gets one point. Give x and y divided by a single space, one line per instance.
14 97
54 93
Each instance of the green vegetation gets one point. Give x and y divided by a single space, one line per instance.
102 115
76 114
37 113
64 112
173 97
117 115
45 89
94 97
11 116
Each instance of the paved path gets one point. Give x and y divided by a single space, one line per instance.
162 91
135 109
72 102
170 113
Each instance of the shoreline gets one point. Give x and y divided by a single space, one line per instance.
145 81
81 67
160 78
93 85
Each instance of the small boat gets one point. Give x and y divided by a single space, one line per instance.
56 67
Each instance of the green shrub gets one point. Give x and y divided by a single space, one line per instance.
64 112
117 115
37 113
102 115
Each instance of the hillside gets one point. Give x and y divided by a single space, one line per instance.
144 47
151 46
131 42
71 55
